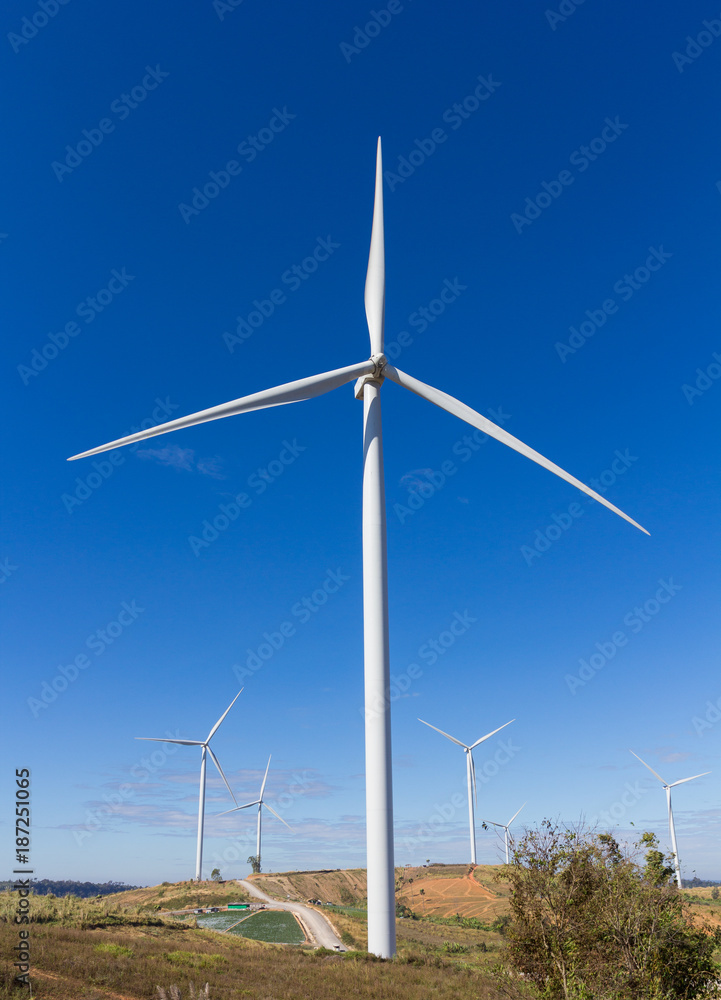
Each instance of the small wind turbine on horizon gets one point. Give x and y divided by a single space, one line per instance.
370 376
505 829
259 803
206 749
471 775
671 825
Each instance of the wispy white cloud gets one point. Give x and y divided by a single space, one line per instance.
184 460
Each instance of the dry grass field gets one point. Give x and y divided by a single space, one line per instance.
78 955
704 908
122 947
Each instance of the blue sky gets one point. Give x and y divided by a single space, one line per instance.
187 218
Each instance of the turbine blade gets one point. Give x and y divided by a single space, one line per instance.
290 392
451 738
458 409
215 728
664 783
262 787
692 778
158 739
488 735
473 777
220 772
514 815
491 823
236 808
275 813
375 290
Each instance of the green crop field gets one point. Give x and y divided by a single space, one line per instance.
266 925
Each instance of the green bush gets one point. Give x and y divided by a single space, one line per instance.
589 921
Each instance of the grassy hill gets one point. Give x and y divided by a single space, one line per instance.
181 895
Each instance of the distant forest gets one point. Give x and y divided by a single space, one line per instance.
697 883
46 886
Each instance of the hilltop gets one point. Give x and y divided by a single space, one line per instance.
435 890
181 895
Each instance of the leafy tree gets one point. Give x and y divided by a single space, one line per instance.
215 875
254 863
590 921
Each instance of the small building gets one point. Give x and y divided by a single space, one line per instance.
238 906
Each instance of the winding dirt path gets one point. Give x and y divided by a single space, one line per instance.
317 928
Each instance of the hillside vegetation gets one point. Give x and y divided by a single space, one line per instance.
182 895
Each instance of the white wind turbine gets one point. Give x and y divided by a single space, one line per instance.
206 749
671 826
371 375
505 830
259 803
471 775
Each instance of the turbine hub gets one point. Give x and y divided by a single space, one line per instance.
380 361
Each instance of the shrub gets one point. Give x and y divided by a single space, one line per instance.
114 949
591 921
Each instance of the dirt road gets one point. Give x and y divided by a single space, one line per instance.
315 924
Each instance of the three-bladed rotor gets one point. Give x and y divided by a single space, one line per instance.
371 375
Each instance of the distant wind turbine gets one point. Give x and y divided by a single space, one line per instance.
370 376
671 825
205 744
259 803
471 775
505 829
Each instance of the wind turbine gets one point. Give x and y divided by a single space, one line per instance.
471 775
671 826
370 375
259 803
206 749
505 829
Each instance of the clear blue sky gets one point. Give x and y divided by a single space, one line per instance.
552 216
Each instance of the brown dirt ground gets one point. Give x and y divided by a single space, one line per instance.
447 892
